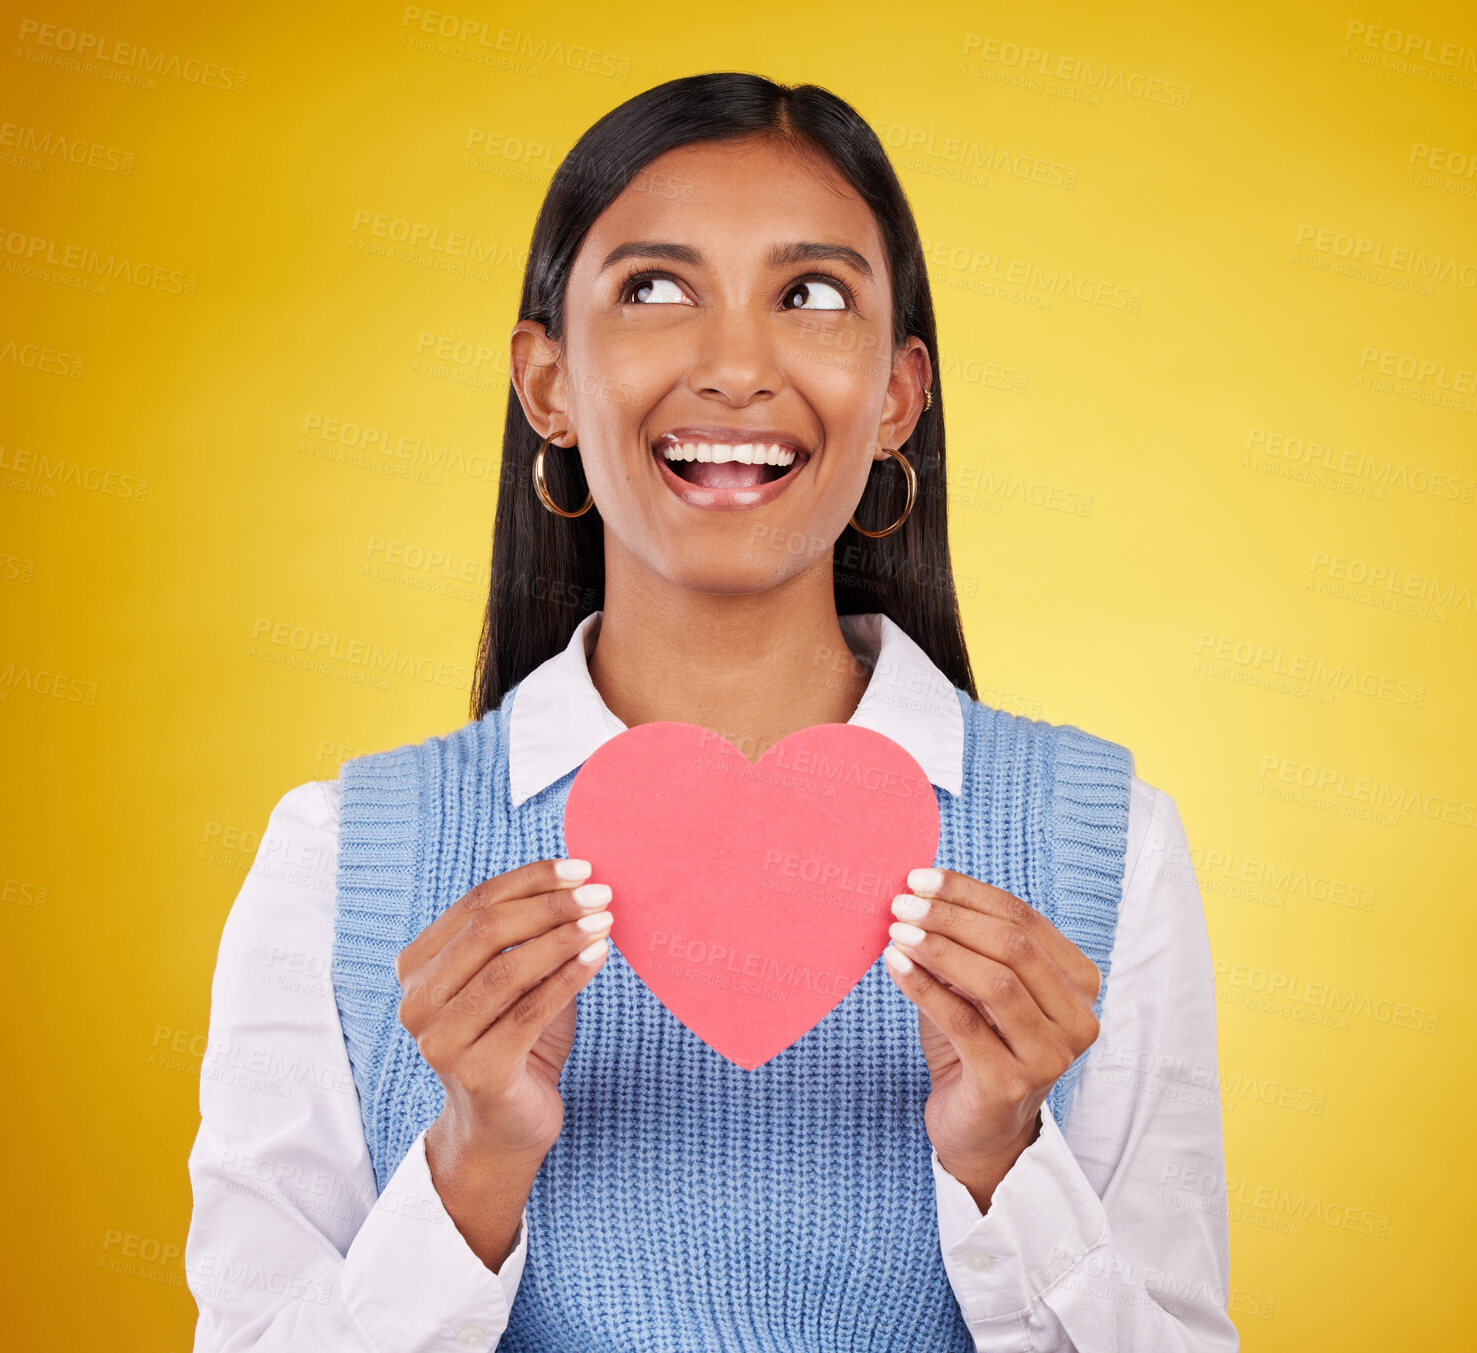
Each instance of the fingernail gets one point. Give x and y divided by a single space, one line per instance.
903 933
897 960
573 869
594 952
906 907
926 881
592 894
595 922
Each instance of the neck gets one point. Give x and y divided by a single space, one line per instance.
752 668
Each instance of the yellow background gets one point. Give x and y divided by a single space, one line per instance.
1121 516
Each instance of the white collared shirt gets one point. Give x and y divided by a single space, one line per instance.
1110 1235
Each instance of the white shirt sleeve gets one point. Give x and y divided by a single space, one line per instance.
288 1246
1114 1236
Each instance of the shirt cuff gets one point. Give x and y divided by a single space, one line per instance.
412 1281
1044 1218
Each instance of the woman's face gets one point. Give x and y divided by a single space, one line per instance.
735 295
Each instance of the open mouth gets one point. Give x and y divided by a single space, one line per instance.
722 465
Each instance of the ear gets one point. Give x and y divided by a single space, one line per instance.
912 377
537 371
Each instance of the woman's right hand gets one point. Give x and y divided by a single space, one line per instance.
489 992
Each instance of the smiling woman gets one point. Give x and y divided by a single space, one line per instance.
724 362
721 274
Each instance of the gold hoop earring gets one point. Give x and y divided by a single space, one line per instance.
542 489
912 476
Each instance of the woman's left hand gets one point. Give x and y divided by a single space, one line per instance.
1004 1007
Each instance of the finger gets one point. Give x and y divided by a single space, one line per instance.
963 889
1006 942
1041 1045
462 1016
511 1037
966 1027
539 876
491 930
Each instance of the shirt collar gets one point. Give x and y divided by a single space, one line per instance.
558 718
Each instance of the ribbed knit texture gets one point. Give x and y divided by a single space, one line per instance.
689 1204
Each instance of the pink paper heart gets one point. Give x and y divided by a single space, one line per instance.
750 897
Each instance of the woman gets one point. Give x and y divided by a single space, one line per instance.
471 1124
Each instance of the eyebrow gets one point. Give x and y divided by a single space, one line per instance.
780 256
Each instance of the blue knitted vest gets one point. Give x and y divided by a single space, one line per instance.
688 1204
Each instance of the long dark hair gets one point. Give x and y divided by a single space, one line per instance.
548 572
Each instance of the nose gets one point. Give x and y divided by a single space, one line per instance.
734 358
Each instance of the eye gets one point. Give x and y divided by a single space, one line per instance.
829 293
646 281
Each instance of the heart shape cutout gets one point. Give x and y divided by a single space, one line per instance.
750 897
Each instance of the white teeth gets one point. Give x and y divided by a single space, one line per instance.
748 453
